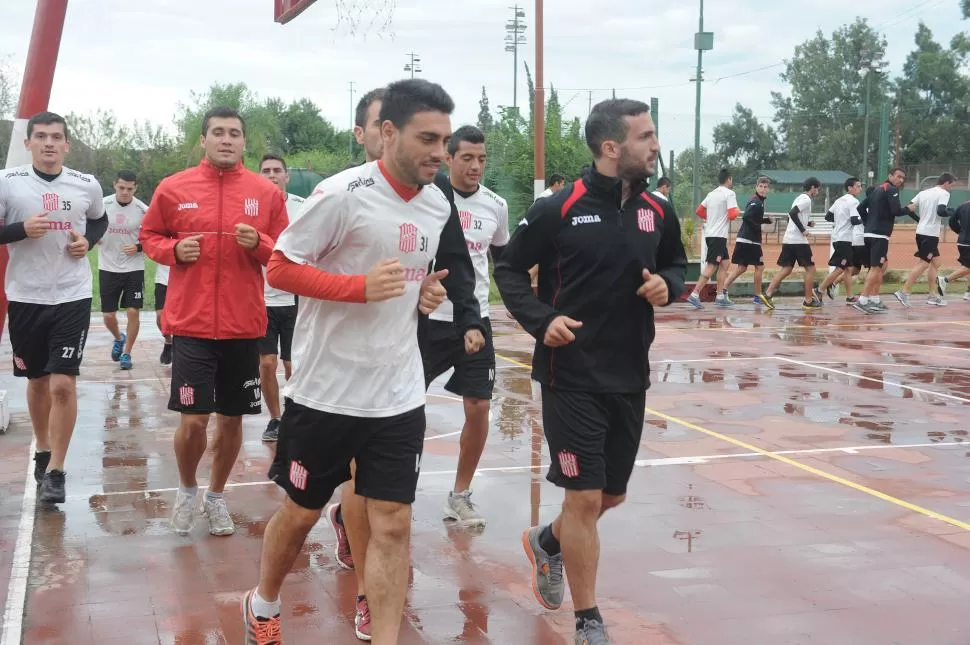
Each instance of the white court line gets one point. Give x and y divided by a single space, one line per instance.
900 365
911 388
13 613
899 342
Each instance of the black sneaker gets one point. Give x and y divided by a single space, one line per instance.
166 357
272 431
41 459
52 489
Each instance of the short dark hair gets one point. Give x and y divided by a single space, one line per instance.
269 156
221 112
664 181
605 122
46 118
723 176
126 175
810 183
850 182
555 178
896 169
468 133
763 180
945 178
360 114
403 99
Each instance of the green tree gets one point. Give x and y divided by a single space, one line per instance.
9 81
485 120
302 128
745 144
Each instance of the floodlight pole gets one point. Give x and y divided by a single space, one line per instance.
539 124
703 41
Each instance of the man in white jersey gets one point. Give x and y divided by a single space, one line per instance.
718 209
485 222
51 216
930 206
843 216
161 291
664 186
747 246
280 311
860 257
358 257
796 249
121 265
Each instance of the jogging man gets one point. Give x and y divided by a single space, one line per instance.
215 225
161 291
378 227
844 216
718 209
485 222
747 247
593 333
931 207
121 264
879 220
796 249
556 183
51 216
280 311
960 224
664 186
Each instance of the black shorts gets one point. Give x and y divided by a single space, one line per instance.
964 259
748 255
859 256
280 323
792 254
220 376
841 255
161 290
877 251
314 451
716 250
126 288
443 347
593 438
927 247
48 339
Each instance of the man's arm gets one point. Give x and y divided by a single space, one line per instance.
793 216
155 235
278 221
672 258
955 221
97 224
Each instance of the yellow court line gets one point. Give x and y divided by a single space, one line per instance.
791 462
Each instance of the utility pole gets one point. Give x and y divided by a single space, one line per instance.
865 129
703 41
515 36
539 124
414 65
350 142
590 111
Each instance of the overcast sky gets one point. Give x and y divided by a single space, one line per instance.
140 58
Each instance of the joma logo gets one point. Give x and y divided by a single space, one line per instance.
586 219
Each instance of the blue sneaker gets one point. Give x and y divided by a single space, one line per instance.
125 360
695 300
756 300
118 348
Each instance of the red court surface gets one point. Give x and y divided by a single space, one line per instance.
802 479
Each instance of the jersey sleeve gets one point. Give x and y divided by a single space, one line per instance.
321 227
501 237
155 235
732 205
3 200
96 208
671 257
277 222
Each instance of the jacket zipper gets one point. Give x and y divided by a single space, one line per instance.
219 252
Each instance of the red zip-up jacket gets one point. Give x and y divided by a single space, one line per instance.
220 295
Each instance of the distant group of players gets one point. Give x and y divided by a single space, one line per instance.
860 236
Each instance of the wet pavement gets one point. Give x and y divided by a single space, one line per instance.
802 479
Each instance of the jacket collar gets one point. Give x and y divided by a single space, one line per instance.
208 168
609 186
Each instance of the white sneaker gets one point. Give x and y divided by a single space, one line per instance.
183 514
220 523
459 507
966 296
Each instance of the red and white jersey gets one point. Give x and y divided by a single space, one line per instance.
40 270
274 297
485 222
362 360
124 223
721 205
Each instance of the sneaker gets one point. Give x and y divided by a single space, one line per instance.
260 631
362 620
766 300
936 301
125 362
548 584
166 357
756 301
694 299
830 291
220 522
272 431
879 307
41 459
941 283
118 347
903 298
814 305
817 294
966 296
183 514
341 552
459 507
592 633
52 488
851 301
864 308
723 301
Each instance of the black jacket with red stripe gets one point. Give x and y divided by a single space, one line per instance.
591 249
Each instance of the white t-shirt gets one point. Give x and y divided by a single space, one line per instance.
273 296
40 270
844 209
792 235
926 202
362 360
161 274
124 223
485 222
718 203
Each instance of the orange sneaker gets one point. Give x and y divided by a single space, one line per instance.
260 631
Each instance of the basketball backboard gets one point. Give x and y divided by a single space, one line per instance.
287 10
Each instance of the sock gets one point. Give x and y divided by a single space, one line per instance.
264 608
41 452
191 492
586 615
695 294
863 300
876 299
211 497
340 515
548 541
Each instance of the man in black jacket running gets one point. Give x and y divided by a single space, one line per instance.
879 220
608 253
747 246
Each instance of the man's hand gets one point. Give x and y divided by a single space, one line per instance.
384 281
188 249
129 249
474 341
558 332
654 289
37 226
811 223
246 236
78 246
432 292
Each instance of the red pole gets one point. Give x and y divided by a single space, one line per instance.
539 110
35 93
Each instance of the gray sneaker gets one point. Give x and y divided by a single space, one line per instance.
878 307
936 301
183 514
220 523
903 298
592 633
459 507
548 583
723 301
695 301
941 283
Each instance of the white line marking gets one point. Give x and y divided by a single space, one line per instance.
899 365
13 614
899 342
716 360
442 436
119 381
